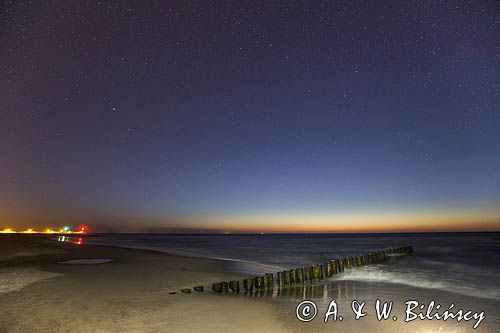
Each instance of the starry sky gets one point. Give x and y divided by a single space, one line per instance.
250 116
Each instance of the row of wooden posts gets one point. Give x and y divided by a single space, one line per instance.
303 275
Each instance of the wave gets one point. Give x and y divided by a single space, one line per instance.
419 280
238 265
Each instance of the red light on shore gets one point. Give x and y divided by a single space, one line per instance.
82 229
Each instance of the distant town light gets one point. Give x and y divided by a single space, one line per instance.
65 230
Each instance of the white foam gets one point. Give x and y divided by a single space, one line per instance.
85 261
15 279
418 280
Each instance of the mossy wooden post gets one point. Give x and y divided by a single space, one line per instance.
198 289
217 287
329 269
248 285
234 286
286 278
318 272
291 276
281 279
308 274
185 290
299 275
225 287
269 281
353 262
262 282
341 265
256 282
335 266
359 262
347 263
315 276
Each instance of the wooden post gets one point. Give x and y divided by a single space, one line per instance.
281 279
341 265
248 285
329 269
198 289
185 290
299 275
217 287
269 281
358 261
347 263
291 275
335 266
234 286
286 277
353 262
259 283
318 272
308 274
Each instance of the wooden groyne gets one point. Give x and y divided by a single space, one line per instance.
302 275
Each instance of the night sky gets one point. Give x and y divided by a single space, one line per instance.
240 116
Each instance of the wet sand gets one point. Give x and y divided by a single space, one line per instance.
129 294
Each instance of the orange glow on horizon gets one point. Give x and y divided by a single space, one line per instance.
362 222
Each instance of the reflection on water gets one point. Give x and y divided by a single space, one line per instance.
67 239
325 291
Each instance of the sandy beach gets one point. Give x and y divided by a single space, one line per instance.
129 294
47 286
